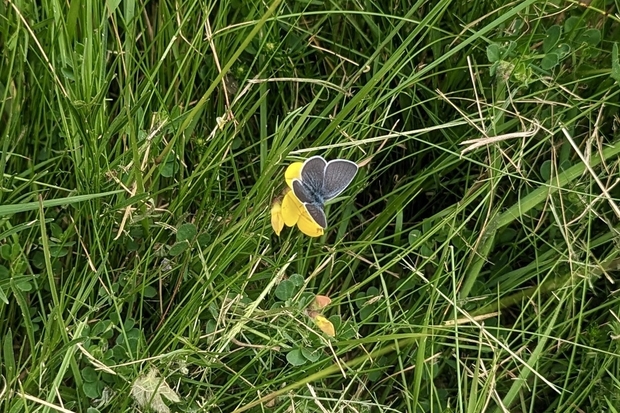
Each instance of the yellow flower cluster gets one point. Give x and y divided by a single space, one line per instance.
290 211
314 312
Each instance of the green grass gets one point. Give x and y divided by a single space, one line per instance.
143 144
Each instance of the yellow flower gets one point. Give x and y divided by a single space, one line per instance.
277 221
292 172
325 325
293 212
290 211
313 311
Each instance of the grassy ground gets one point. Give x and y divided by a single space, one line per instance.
472 264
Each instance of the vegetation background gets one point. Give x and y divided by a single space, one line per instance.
472 264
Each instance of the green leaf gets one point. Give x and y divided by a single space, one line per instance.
506 236
427 225
129 324
545 170
285 290
58 251
5 251
409 284
366 312
552 37
305 300
67 72
615 63
425 250
4 272
311 355
512 45
56 230
204 239
38 259
297 280
591 37
236 143
562 50
15 251
494 52
133 340
178 248
119 354
102 328
549 61
92 390
167 169
24 286
295 357
149 291
89 374
414 235
186 232
372 292
572 23
210 327
9 356
360 299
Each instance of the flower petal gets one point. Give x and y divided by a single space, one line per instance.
308 226
325 325
277 222
320 302
291 209
293 172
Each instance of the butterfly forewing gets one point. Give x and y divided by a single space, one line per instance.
301 192
313 173
338 175
317 214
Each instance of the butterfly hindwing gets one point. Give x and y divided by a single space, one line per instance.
338 175
318 215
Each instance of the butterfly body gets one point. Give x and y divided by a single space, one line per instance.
321 181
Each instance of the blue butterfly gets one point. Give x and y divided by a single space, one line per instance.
320 182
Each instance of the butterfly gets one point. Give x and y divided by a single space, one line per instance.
321 181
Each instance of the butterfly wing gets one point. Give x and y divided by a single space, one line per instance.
318 215
308 199
313 175
338 175
302 192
